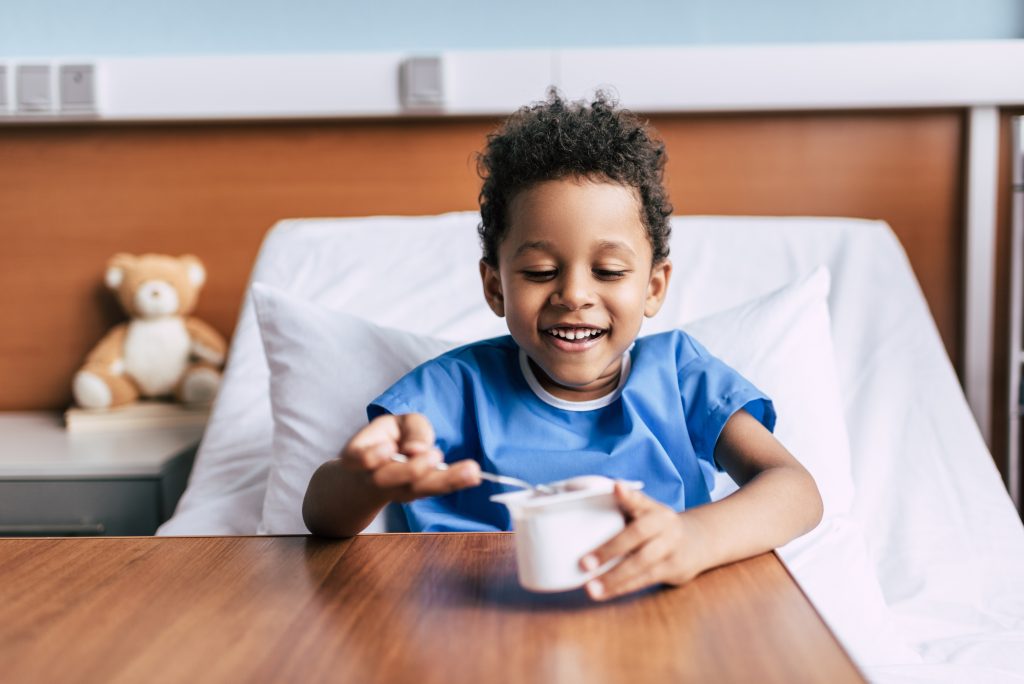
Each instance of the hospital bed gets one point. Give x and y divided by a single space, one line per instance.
920 573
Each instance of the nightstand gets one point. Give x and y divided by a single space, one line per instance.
114 483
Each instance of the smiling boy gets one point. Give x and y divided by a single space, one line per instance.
577 278
575 254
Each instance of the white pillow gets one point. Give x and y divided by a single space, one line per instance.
325 367
782 343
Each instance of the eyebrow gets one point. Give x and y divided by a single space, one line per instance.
603 245
542 245
615 246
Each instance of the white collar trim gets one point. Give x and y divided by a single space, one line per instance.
558 402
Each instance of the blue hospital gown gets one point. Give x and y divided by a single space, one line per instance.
660 426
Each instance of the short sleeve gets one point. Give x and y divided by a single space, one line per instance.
711 392
431 391
445 397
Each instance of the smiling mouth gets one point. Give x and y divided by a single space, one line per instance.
573 338
572 334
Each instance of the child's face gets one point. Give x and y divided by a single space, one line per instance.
575 262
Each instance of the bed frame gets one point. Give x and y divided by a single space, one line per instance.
77 193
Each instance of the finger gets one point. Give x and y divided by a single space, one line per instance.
633 502
458 476
397 474
385 428
402 486
597 590
633 536
640 569
417 434
373 445
369 458
391 475
424 462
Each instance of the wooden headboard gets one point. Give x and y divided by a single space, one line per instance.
72 195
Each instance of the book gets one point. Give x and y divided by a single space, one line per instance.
139 415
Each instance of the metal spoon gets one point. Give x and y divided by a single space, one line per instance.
491 477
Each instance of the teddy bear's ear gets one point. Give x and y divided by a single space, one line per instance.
196 272
116 267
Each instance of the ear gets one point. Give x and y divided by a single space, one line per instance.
492 288
116 268
657 288
194 268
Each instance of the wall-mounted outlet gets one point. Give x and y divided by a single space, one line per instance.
33 88
77 88
421 83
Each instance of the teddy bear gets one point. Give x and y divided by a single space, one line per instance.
161 350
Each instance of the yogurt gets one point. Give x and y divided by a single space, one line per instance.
554 531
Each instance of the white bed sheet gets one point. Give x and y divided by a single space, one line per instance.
947 545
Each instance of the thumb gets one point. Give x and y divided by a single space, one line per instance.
632 502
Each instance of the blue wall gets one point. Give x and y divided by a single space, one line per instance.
58 28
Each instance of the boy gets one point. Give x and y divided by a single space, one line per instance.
575 253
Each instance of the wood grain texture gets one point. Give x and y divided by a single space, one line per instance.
73 195
903 167
383 608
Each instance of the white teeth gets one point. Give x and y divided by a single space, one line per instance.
574 333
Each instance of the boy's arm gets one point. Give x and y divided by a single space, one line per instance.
777 502
778 499
337 504
346 493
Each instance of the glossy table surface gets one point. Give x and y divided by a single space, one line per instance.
390 608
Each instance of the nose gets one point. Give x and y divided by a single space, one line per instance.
573 292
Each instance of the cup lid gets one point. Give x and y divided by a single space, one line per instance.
529 499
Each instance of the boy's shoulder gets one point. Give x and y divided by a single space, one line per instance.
675 343
500 345
474 356
451 374
676 339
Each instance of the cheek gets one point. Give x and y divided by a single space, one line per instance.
523 306
628 302
520 309
626 307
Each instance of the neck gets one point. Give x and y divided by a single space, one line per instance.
602 386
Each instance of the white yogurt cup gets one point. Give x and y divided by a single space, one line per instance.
554 531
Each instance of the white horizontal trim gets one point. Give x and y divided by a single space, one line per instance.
813 76
697 78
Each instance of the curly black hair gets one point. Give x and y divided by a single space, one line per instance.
555 139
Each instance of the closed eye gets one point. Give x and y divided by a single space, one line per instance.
608 274
539 275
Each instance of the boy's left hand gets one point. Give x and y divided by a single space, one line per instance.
657 546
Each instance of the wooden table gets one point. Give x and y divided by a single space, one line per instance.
418 608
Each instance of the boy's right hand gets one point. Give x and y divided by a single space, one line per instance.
368 454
